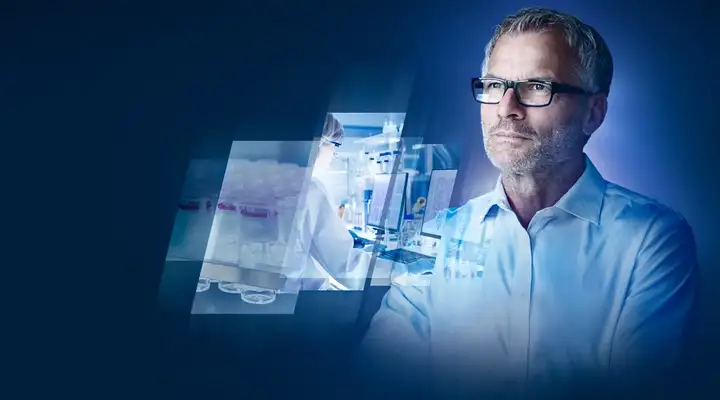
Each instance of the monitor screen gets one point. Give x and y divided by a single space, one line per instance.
393 214
438 199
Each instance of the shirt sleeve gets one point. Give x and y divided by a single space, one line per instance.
396 346
660 301
404 312
397 342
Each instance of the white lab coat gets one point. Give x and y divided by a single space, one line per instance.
323 235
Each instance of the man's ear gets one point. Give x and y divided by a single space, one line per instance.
597 109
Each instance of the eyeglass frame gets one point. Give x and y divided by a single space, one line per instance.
325 141
555 87
336 145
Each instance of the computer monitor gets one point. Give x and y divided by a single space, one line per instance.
392 216
438 199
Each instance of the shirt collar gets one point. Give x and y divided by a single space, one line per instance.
584 199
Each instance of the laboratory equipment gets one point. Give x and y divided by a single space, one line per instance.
380 218
248 241
358 212
404 256
367 196
414 273
387 165
202 285
358 242
418 207
438 200
286 207
465 256
408 229
379 166
257 225
394 158
417 194
223 240
440 191
389 127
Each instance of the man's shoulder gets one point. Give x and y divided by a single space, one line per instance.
661 238
623 207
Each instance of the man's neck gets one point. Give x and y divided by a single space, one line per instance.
531 192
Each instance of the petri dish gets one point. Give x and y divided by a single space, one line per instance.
230 288
257 296
202 285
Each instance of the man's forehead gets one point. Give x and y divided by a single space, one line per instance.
543 55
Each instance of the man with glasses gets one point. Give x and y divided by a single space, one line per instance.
557 278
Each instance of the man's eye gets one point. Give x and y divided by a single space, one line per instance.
493 85
538 87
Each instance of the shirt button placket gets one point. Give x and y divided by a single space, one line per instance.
522 316
516 343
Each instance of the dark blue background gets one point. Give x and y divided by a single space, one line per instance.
156 85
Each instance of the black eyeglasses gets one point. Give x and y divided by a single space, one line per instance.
529 93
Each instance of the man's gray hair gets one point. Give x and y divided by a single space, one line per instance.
596 65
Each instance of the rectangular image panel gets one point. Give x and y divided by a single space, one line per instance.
251 264
353 149
415 251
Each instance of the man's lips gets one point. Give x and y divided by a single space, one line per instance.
510 135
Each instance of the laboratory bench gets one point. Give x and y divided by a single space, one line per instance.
215 301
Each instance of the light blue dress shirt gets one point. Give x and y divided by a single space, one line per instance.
601 283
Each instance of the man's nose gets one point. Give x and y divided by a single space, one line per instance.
509 106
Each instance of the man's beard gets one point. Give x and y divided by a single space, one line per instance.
538 154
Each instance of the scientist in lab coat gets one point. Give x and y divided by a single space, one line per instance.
333 263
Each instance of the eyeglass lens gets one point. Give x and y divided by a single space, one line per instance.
491 91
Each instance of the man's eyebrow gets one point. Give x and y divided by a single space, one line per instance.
533 78
540 78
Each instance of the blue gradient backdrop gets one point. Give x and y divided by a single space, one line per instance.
194 82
